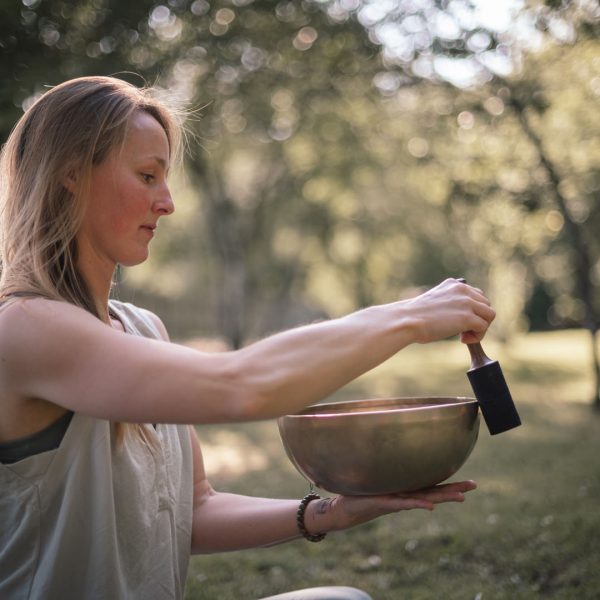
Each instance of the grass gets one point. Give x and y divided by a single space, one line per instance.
531 530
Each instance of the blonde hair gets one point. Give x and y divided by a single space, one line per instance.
70 129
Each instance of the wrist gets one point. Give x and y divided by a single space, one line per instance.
395 319
410 322
318 517
405 326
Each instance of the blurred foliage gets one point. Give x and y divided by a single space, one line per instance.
343 152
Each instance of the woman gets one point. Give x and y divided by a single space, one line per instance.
95 503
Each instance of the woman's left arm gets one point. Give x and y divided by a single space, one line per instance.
225 522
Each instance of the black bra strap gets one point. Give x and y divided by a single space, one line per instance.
47 439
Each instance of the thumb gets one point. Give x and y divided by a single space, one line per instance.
470 337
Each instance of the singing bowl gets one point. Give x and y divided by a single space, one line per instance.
381 446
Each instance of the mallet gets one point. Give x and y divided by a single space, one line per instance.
491 391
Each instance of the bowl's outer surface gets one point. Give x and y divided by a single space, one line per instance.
381 446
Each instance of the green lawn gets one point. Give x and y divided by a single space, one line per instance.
531 530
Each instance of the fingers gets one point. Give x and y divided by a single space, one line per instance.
463 486
476 294
413 503
482 305
471 291
439 497
449 309
471 337
450 492
477 329
464 282
427 499
353 510
482 313
481 318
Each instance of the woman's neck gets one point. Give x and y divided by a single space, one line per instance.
99 280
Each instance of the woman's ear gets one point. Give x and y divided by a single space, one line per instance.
70 180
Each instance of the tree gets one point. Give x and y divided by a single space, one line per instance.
574 211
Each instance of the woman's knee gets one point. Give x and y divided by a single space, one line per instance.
324 593
354 594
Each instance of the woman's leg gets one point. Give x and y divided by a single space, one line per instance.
323 593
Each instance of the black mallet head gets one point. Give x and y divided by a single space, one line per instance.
491 391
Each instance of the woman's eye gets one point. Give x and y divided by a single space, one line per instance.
147 177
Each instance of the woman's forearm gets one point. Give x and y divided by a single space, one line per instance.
227 522
289 370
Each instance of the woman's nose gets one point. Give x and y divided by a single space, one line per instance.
164 205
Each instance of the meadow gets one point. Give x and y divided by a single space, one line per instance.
530 530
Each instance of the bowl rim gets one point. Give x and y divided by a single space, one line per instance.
437 402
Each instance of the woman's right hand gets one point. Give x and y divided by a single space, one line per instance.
452 307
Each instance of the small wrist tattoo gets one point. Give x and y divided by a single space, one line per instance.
323 506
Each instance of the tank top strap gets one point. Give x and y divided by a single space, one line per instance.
135 320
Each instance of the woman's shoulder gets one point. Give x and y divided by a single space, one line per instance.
26 322
37 310
23 315
35 332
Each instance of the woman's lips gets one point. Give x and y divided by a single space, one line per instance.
149 229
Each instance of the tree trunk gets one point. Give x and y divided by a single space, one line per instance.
226 241
596 369
582 260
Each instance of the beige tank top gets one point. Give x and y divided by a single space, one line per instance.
91 520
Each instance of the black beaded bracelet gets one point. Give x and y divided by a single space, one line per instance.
300 518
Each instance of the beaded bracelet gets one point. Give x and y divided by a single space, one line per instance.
300 518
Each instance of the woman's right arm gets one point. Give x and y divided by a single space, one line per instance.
62 354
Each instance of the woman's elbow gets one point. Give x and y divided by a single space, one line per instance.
252 395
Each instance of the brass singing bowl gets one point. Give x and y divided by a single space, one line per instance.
381 446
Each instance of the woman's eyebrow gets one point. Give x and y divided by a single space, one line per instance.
161 161
164 164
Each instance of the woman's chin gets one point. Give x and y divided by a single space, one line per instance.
132 261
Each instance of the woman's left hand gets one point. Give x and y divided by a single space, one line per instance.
342 512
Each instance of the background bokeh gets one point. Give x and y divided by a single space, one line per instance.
348 152
344 151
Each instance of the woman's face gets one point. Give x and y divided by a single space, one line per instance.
128 195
